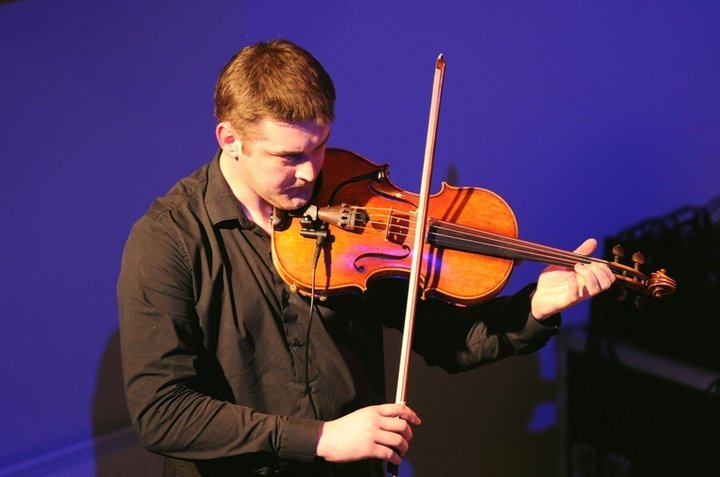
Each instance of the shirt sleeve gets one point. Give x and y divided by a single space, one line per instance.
161 345
459 338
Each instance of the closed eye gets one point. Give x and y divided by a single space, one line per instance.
293 157
299 156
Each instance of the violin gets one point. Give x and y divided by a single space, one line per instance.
360 227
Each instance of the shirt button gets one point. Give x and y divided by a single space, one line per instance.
286 295
297 342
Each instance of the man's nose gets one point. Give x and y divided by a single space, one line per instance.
308 170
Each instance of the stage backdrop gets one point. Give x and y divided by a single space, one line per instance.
587 117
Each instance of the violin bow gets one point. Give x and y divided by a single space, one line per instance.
420 238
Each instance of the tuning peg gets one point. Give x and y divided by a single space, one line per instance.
618 253
638 260
621 294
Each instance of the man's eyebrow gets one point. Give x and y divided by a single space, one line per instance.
301 151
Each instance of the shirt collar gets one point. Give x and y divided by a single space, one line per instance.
221 203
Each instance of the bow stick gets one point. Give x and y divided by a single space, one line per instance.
420 237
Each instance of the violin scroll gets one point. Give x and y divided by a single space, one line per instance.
660 284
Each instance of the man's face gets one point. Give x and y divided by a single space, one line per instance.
280 161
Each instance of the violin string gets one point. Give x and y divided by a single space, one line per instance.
527 250
471 236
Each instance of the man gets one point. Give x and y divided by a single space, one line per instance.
224 373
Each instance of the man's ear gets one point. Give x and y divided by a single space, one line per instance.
227 139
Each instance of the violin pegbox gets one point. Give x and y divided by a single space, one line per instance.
657 285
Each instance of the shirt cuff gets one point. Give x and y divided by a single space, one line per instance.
552 322
298 439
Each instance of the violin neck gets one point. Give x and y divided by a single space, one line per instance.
466 239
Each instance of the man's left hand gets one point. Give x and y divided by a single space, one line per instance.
559 288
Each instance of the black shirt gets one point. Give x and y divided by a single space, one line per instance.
214 345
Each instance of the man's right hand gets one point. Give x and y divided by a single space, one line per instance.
381 432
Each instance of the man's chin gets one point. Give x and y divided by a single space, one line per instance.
293 199
292 204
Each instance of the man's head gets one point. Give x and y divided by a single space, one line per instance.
274 104
274 80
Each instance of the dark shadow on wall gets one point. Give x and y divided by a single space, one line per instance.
109 409
117 451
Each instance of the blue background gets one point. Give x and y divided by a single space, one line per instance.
587 117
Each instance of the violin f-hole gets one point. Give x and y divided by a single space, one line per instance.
380 255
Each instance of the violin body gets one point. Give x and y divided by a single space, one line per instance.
349 260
